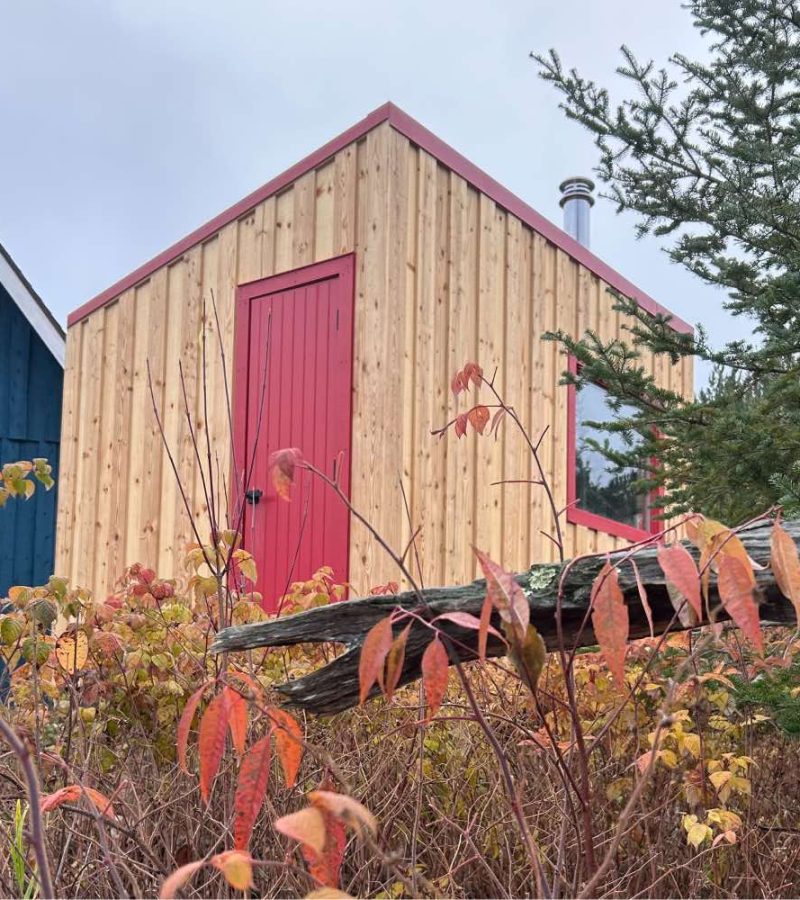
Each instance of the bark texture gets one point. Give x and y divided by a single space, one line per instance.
334 687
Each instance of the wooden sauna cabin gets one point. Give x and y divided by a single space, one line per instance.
349 289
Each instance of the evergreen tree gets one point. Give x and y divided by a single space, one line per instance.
707 154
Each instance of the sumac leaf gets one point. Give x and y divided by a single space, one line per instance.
288 743
211 741
435 672
251 790
373 656
610 621
237 719
648 612
394 662
185 723
307 826
786 565
680 570
506 595
736 594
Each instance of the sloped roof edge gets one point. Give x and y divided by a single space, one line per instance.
429 142
32 306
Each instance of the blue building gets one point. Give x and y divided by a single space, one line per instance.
31 382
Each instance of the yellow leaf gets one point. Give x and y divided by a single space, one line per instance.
691 743
698 834
72 651
237 867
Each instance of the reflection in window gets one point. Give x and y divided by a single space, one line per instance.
602 488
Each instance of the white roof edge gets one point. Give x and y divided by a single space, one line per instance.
31 308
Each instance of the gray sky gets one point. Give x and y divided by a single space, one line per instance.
127 124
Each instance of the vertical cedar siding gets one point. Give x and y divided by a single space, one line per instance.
443 276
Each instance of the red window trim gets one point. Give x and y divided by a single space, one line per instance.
576 515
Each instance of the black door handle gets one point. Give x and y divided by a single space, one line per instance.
253 495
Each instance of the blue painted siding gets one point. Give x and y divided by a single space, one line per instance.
31 383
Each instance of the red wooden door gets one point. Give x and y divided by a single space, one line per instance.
294 361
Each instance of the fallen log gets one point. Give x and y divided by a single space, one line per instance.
334 687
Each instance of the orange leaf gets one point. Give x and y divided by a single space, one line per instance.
786 565
306 826
643 598
250 791
506 595
177 879
237 719
736 593
68 794
350 811
394 662
610 621
185 724
373 655
281 465
435 672
237 868
71 793
288 743
211 741
680 570
255 686
478 417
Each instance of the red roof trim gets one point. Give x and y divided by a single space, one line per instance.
449 157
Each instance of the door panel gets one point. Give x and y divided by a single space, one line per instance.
298 394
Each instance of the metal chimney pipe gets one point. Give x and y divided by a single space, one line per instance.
577 201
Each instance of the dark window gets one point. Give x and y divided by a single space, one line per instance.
602 488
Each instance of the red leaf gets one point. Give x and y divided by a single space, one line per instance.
391 587
610 621
483 631
282 465
237 719
288 743
177 879
680 570
394 662
373 655
458 384
786 566
497 418
466 620
506 595
643 597
185 724
460 425
736 592
251 789
211 741
249 681
101 802
472 372
478 417
435 672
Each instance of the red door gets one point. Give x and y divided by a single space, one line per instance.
294 361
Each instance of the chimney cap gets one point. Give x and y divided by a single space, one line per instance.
576 188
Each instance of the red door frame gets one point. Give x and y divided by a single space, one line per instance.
342 267
576 515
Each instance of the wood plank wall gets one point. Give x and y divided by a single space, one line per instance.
444 276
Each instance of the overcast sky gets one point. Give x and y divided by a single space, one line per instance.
125 125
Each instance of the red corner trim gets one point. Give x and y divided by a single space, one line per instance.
437 148
576 515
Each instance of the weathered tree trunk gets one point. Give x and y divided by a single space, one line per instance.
334 687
